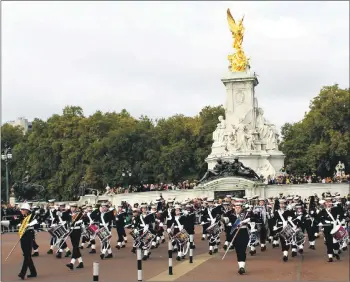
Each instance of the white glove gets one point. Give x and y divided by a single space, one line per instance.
320 224
246 220
185 212
161 224
230 224
274 228
33 223
37 212
312 212
202 223
168 230
299 217
111 208
317 211
226 220
285 224
59 213
327 221
117 219
212 221
79 221
145 228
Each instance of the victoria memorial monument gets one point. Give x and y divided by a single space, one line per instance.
244 133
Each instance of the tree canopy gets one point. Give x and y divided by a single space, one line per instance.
70 149
321 139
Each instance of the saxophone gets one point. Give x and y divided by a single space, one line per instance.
24 225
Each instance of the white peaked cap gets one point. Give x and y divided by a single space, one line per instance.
25 206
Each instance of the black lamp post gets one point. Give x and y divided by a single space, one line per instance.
6 156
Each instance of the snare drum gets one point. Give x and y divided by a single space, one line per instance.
253 238
213 230
58 231
92 230
287 233
299 237
134 233
103 234
182 237
146 239
339 233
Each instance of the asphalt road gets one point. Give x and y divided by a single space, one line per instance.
264 266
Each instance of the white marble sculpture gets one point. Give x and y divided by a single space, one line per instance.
245 132
340 169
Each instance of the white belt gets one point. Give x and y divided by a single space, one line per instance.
243 227
76 228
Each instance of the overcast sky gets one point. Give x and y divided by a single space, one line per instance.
163 58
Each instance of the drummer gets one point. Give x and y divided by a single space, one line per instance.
327 218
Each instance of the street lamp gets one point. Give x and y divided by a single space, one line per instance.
126 173
6 156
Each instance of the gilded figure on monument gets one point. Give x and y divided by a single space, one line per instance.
238 61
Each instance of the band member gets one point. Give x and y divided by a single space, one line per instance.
51 219
146 224
75 234
63 215
240 234
210 219
311 223
230 215
190 222
93 215
281 221
120 226
26 234
178 221
135 225
36 211
327 220
85 238
105 217
261 218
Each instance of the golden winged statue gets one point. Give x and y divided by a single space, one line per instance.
238 61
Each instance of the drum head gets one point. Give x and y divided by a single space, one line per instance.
335 229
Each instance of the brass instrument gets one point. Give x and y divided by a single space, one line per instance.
77 216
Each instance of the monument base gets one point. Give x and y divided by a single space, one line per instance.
263 163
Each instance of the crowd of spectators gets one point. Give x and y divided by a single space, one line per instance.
285 178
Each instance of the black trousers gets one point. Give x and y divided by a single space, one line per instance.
121 234
26 246
35 245
311 232
285 247
75 239
263 234
240 243
329 240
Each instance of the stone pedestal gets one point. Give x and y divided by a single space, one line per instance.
248 135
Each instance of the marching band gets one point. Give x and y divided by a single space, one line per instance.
247 223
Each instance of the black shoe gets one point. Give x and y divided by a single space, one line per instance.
339 252
21 276
174 250
36 254
102 256
133 250
241 271
178 258
337 257
215 251
263 249
194 247
203 239
312 248
274 246
225 247
80 265
153 247
59 255
68 254
32 275
330 259
109 256
285 258
210 252
149 254
183 257
145 258
344 248
81 247
163 240
252 253
88 246
70 266
50 252
301 251
294 254
123 246
117 246
93 251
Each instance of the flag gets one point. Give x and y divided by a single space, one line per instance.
235 225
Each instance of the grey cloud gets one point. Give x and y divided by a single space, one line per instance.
163 58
